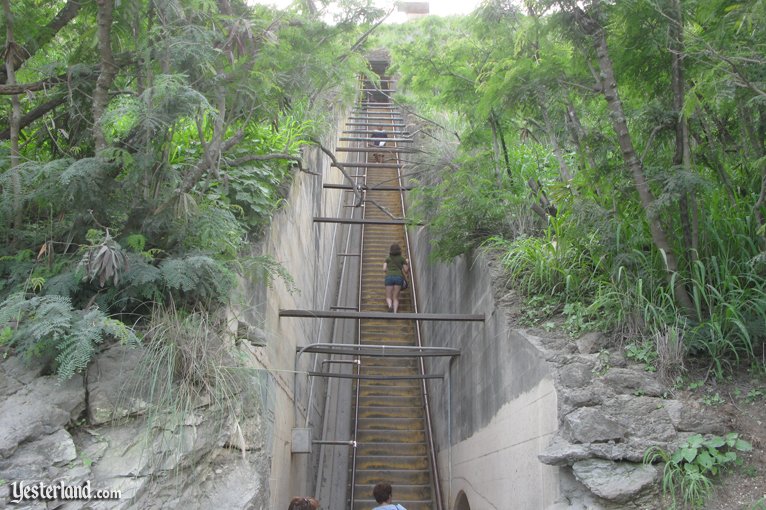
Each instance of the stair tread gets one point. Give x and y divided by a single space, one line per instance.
391 436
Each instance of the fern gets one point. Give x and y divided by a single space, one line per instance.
198 275
84 180
140 272
213 230
266 269
170 99
47 327
76 351
64 284
175 275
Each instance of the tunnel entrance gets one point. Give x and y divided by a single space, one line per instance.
461 503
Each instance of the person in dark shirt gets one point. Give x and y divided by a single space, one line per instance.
396 268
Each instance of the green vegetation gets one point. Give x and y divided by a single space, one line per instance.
143 145
688 471
188 359
614 155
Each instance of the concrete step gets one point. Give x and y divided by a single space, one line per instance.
405 424
388 327
390 362
369 334
413 462
384 370
380 391
391 401
390 384
392 476
405 449
414 412
391 436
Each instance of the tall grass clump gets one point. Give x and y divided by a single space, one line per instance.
619 283
190 364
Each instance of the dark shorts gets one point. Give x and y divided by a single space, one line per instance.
394 280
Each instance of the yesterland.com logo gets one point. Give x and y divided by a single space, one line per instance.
25 491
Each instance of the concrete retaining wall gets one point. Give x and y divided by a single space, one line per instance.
502 408
304 250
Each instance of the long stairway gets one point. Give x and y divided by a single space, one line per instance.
391 428
390 420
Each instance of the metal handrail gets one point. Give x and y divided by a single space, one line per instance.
358 367
426 401
338 299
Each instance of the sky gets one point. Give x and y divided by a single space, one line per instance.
437 7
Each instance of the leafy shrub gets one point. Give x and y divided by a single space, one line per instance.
468 205
47 327
643 353
688 470
104 261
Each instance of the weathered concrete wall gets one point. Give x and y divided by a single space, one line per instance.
304 249
503 407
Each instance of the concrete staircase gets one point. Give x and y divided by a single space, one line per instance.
391 419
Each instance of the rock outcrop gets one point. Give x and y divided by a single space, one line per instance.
610 415
93 429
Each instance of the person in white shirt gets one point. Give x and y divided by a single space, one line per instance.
382 494
380 141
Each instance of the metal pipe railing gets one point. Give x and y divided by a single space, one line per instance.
339 297
358 367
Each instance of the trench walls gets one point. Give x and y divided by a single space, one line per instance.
304 249
498 409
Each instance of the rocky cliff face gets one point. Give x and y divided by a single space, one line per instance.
91 429
610 413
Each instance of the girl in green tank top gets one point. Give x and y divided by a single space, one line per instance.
396 268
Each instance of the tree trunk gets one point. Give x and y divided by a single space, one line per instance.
682 156
712 159
108 70
609 89
43 36
15 120
495 148
505 150
497 131
33 115
754 147
578 134
566 175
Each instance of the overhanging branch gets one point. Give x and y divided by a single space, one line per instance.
357 189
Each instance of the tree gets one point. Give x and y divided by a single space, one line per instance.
12 52
589 23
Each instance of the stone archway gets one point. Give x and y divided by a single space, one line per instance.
461 503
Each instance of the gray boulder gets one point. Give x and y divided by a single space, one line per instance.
590 425
38 408
615 481
625 380
113 386
642 417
